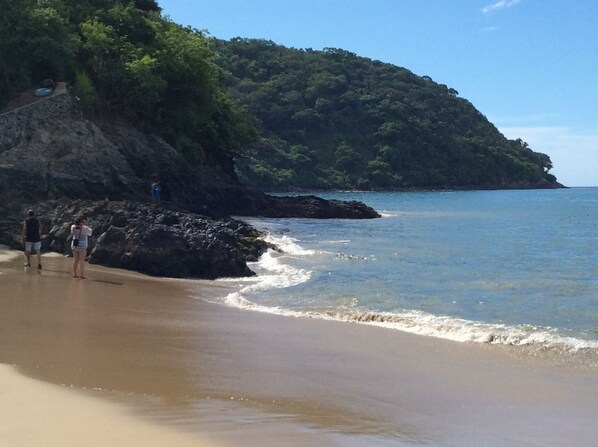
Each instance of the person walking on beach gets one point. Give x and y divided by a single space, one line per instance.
31 237
80 233
50 185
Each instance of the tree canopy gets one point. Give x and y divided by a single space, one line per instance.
124 59
331 119
300 118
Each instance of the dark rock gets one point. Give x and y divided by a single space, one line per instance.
156 241
318 208
104 171
107 160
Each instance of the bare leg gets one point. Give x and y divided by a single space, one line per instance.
39 259
28 257
82 265
75 262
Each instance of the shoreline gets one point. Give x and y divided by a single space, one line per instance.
177 362
538 342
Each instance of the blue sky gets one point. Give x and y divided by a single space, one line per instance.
530 66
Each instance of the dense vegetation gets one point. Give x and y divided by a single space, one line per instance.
331 119
124 60
303 118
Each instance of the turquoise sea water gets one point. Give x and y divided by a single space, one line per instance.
511 267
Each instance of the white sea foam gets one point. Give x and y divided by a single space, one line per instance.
274 273
276 276
461 330
288 245
444 327
244 279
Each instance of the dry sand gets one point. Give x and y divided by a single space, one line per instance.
33 413
147 357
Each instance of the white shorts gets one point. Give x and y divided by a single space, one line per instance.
33 246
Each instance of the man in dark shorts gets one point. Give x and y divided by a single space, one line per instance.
31 236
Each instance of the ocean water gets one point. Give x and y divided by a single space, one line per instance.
501 267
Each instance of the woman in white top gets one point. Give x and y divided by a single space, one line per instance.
80 233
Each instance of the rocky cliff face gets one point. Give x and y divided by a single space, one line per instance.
104 171
114 161
118 162
86 162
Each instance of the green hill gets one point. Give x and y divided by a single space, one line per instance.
128 63
292 118
331 119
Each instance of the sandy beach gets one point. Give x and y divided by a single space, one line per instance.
122 359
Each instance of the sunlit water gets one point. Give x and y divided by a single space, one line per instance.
511 267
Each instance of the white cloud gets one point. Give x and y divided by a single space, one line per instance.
574 155
501 4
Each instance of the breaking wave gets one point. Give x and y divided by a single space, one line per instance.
461 330
444 327
274 273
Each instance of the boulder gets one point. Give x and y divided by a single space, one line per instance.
154 240
315 207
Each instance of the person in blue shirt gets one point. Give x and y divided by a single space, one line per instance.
156 190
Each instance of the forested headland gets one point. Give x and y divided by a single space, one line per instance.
289 118
332 119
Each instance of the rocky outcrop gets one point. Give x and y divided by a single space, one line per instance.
163 241
116 161
303 206
104 171
153 240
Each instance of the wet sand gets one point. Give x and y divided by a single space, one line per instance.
158 356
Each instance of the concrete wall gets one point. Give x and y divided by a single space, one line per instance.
18 124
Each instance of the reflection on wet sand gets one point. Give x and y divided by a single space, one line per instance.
160 348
